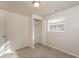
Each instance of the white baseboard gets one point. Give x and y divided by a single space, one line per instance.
65 51
32 46
14 49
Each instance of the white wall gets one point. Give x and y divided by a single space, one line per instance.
37 31
67 41
17 29
2 32
44 32
31 31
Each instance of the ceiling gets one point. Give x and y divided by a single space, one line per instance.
46 8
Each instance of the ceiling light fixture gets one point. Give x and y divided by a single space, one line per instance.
36 4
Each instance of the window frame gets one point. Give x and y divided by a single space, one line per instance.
60 22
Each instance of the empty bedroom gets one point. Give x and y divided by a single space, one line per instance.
39 29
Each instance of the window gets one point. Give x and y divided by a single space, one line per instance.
56 25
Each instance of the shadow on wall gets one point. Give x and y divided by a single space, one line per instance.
5 49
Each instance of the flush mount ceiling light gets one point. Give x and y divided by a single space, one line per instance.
36 4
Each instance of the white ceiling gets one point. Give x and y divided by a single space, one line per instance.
46 8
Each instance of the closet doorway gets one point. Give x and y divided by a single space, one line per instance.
37 31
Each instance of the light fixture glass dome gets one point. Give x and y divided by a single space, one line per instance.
36 4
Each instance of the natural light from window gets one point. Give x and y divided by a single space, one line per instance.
56 25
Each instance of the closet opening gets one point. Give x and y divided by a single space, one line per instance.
37 32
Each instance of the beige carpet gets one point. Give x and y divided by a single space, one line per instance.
39 51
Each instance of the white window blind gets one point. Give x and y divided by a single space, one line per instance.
56 25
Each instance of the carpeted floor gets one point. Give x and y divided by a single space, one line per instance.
39 51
